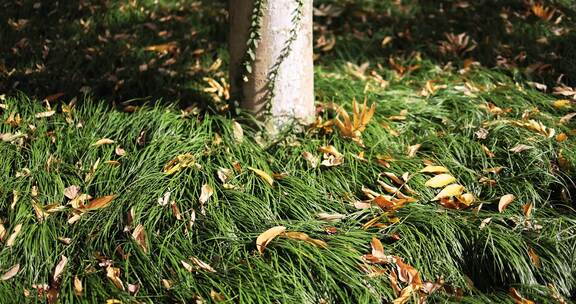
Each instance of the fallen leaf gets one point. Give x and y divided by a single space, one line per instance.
59 269
448 191
139 235
113 274
566 118
377 248
561 137
412 150
12 272
311 158
534 258
330 217
72 192
561 103
267 236
103 141
505 201
202 265
205 194
162 48
440 180
304 237
360 118
520 148
405 295
165 199
119 151
518 299
262 174
12 238
78 289
216 297
527 209
179 163
187 266
485 222
494 170
99 203
237 131
45 114
434 169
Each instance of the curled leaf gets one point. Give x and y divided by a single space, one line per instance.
59 269
202 265
377 248
45 114
267 236
237 131
72 192
78 289
440 180
179 163
99 203
505 201
103 141
12 238
113 274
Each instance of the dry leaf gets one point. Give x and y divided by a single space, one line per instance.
405 295
534 258
518 299
165 199
440 180
527 209
450 190
113 274
561 137
237 131
202 265
187 266
434 169
72 192
103 141
505 201
566 118
179 163
267 236
412 150
485 222
59 269
139 235
45 114
353 128
119 151
78 289
12 272
330 217
224 175
520 148
304 237
12 237
311 158
99 203
262 174
377 248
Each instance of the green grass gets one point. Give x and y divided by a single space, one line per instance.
438 242
479 264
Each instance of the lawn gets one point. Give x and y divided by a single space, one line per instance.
125 184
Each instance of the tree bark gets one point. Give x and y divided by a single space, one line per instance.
293 91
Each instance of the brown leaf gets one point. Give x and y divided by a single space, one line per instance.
139 235
527 209
99 203
412 150
505 201
267 236
237 131
12 272
377 248
311 158
534 258
405 295
162 48
518 299
520 148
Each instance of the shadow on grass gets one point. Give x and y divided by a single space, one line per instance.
118 50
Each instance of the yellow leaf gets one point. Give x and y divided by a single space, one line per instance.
12 272
561 137
412 150
179 163
505 201
440 180
377 248
113 274
98 203
78 289
561 103
265 176
162 48
450 190
267 236
103 141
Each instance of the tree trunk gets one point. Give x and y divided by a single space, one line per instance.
291 95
